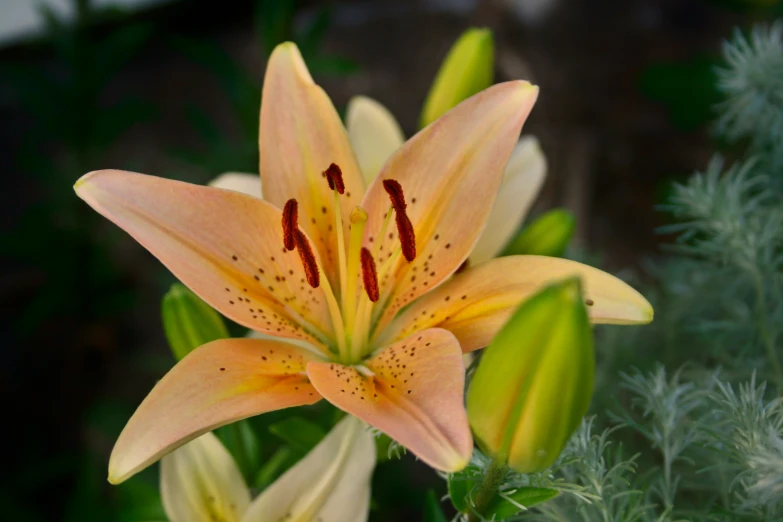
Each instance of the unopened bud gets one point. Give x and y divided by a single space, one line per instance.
188 321
548 235
467 69
535 380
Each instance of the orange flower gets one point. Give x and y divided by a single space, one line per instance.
397 367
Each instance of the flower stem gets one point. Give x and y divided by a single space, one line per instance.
496 474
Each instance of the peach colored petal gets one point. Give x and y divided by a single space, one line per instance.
300 136
219 383
411 390
450 173
475 304
226 246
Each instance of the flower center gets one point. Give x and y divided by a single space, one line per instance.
355 312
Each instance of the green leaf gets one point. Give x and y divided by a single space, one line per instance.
243 444
189 322
432 510
300 433
460 486
508 505
548 235
273 467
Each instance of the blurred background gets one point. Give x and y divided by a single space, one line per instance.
172 88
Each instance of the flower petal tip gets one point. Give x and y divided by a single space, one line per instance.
81 182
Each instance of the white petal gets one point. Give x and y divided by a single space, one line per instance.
330 484
249 184
522 181
200 482
374 134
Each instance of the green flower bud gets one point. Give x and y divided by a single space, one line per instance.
467 69
535 380
548 235
188 321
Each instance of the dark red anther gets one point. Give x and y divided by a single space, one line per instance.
461 268
394 189
334 176
308 259
370 276
290 223
407 236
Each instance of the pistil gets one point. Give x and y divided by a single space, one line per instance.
358 220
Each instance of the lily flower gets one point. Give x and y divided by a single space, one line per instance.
201 482
324 267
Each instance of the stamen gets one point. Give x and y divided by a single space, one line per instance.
461 268
334 176
394 189
369 276
290 223
407 236
404 225
308 259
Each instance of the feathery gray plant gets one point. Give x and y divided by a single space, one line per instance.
752 81
749 433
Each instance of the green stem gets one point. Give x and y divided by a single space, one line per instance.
493 479
766 335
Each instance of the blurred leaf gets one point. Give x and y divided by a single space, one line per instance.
331 65
687 89
432 510
300 433
274 19
115 50
138 501
87 502
113 121
242 91
243 444
312 36
508 505
273 467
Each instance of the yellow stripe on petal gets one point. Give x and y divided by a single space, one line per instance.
475 304
374 134
300 135
221 382
225 246
412 391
